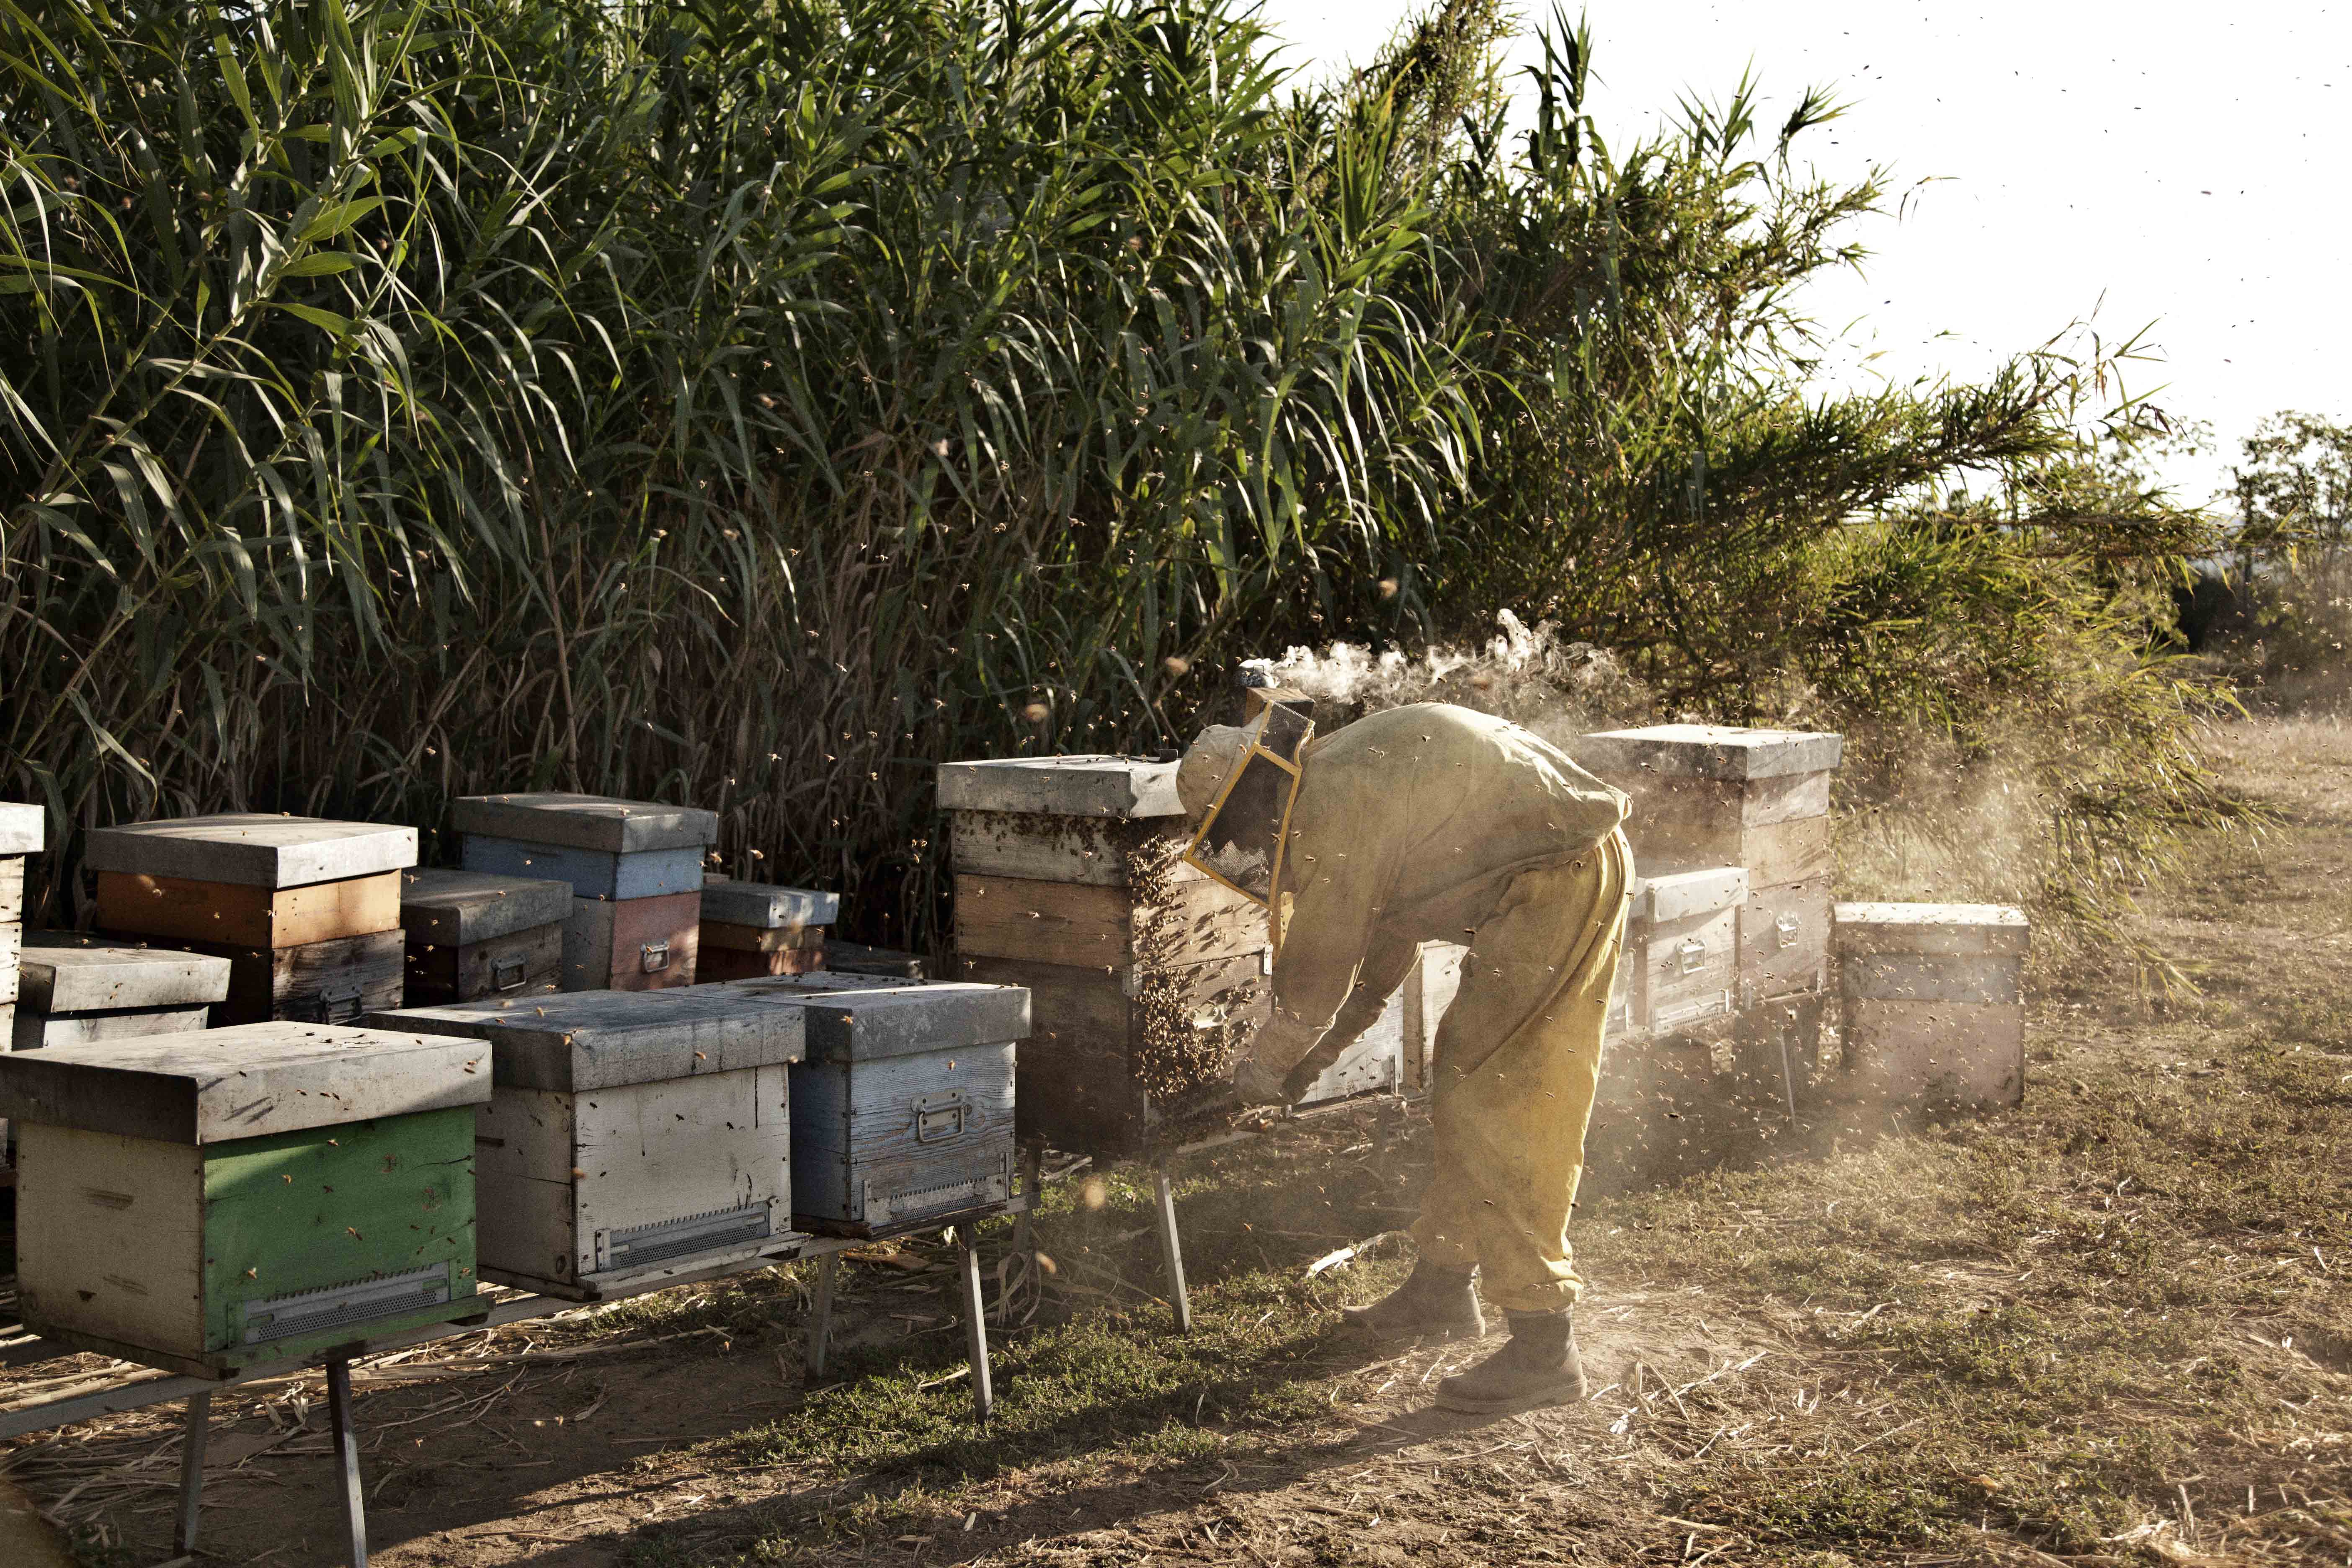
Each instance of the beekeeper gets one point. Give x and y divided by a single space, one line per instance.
1435 823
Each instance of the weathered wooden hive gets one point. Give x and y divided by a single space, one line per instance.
903 1109
211 1200
21 830
305 910
1933 997
480 934
1145 977
1681 960
631 1134
635 871
751 930
76 990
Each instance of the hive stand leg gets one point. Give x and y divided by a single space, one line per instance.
347 1456
1171 1252
192 1471
819 1329
975 1325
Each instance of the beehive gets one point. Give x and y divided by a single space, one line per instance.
1681 959
1934 1002
630 1133
750 929
211 1200
1146 978
21 830
635 871
903 1110
78 990
1705 794
475 933
306 911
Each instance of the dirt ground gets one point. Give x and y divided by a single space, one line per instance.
2115 1326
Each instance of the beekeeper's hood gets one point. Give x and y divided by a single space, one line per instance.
1239 784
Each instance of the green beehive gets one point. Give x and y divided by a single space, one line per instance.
209 1201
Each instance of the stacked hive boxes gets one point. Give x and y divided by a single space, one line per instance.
755 929
631 1136
306 911
473 933
1934 1002
635 871
212 1200
20 835
1146 978
75 990
903 1110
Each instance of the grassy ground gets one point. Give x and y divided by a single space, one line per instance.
2115 1326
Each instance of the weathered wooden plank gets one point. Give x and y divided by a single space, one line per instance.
1794 851
577 1041
1062 786
1678 895
593 873
12 942
237 915
39 1031
766 906
1932 977
23 828
597 822
12 887
1062 923
852 1021
70 972
518 963
1784 938
1707 752
110 1235
319 982
1930 928
632 944
722 965
1959 1052
456 909
211 1086
1105 852
758 939
856 958
254 849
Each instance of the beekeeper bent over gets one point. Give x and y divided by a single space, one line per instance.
1435 823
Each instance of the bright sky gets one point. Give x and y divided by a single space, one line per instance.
2157 165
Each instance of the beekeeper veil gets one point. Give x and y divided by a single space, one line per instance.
1239 841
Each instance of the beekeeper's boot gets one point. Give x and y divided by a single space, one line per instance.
1536 1367
1431 1302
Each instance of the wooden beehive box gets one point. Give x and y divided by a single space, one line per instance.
473 933
1934 1002
634 868
1681 960
306 911
633 1135
1146 978
217 1199
78 990
903 1111
752 929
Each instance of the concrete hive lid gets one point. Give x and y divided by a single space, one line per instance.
457 909
1708 751
258 850
22 828
856 1018
1931 927
66 971
768 906
600 822
578 1040
1062 786
216 1086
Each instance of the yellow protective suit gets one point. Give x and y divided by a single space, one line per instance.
1433 822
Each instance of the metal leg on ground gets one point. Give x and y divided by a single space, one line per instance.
192 1471
1172 1253
347 1456
975 1324
819 1329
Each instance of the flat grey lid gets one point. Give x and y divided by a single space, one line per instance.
1708 751
767 906
1684 894
66 971
256 848
586 821
1062 786
1931 927
21 828
577 1041
211 1086
856 1018
454 909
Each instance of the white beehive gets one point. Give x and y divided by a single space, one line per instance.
1933 1000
